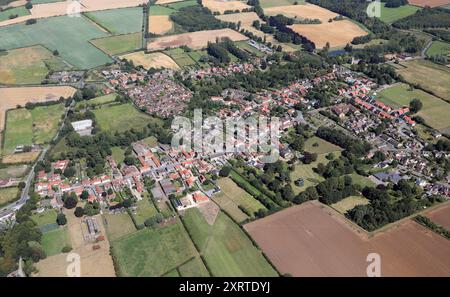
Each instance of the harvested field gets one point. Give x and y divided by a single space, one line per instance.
221 6
167 1
20 158
306 11
431 3
337 33
151 60
194 40
246 18
159 24
440 216
313 240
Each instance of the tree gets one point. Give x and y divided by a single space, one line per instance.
69 172
61 219
79 212
70 201
415 105
225 171
84 195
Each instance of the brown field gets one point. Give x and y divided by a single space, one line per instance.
431 3
52 9
20 158
159 24
93 263
440 216
313 240
221 6
151 60
16 3
11 97
194 40
307 11
336 33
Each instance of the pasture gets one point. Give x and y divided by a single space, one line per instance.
430 76
118 21
46 120
118 44
125 116
28 65
194 40
68 35
152 252
390 15
45 218
181 58
349 203
13 171
145 210
8 195
110 98
222 6
319 146
54 241
225 247
311 239
117 225
193 268
155 60
434 111
438 48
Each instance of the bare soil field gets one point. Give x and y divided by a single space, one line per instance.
20 158
151 60
306 11
313 240
431 3
11 97
93 263
440 216
337 33
221 5
194 40
159 24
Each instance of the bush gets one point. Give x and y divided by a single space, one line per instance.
66 249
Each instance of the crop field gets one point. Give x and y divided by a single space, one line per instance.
231 196
152 252
440 216
275 3
145 210
319 146
246 18
430 76
125 115
181 58
114 45
306 11
66 34
390 15
313 240
157 10
182 4
222 6
155 60
119 21
54 241
194 40
438 48
8 195
16 11
434 111
159 24
28 65
13 171
430 3
225 247
118 225
349 203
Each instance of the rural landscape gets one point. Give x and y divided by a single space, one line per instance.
95 181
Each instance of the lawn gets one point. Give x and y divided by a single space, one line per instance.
16 11
45 218
125 116
118 154
8 195
119 44
54 241
361 180
434 111
18 130
152 252
225 247
193 268
231 196
145 210
431 77
319 146
46 120
349 203
119 21
68 35
390 15
118 225
438 48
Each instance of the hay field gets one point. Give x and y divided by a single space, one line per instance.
222 6
159 24
431 3
152 60
306 11
194 40
246 18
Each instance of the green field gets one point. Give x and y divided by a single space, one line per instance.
119 21
118 225
431 77
275 3
231 196
54 241
160 10
438 48
150 141
8 195
15 171
66 34
193 268
243 45
182 4
19 11
180 57
145 210
45 218
125 117
361 180
320 146
390 15
18 131
46 122
434 111
99 100
225 247
197 55
119 44
152 252
349 203
118 154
